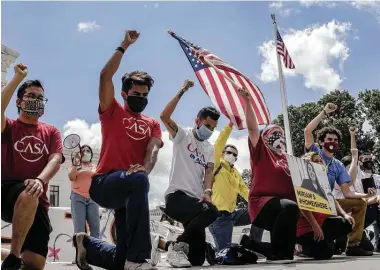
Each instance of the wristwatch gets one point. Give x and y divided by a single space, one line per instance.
208 192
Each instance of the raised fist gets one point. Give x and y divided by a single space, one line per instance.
330 107
21 70
130 37
187 85
353 130
244 93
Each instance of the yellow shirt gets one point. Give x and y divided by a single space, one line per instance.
228 183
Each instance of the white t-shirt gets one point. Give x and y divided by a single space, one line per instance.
190 158
358 185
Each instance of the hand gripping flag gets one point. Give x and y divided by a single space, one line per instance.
221 81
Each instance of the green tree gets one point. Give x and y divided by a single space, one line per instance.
246 175
349 113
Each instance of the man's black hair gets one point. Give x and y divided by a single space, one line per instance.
208 112
136 77
29 83
321 134
364 154
346 160
229 145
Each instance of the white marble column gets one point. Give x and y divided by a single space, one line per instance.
8 57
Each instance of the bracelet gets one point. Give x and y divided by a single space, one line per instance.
39 179
120 49
208 191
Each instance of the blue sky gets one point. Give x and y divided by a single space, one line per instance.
68 61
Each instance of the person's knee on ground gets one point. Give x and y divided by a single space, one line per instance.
33 261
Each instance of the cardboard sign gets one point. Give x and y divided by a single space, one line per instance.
311 186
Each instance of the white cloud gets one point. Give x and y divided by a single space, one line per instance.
159 178
312 50
309 3
86 27
156 5
280 8
371 6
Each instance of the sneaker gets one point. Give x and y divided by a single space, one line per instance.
155 255
138 266
177 255
357 251
80 251
12 262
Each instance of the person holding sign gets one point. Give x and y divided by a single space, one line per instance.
328 140
227 186
272 201
131 142
316 232
31 154
188 197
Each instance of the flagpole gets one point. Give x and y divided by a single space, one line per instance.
289 146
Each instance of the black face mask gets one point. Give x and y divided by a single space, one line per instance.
137 104
368 165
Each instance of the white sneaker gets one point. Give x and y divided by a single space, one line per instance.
177 255
155 255
138 266
80 251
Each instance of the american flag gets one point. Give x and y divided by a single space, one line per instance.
282 51
222 93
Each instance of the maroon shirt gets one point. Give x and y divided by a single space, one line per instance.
25 151
270 178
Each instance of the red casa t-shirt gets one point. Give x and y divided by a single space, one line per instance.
125 136
25 151
303 225
270 178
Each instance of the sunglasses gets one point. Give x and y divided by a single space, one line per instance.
231 153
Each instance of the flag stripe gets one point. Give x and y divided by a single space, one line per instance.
222 92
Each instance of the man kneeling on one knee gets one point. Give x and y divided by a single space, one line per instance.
188 198
31 156
228 184
328 144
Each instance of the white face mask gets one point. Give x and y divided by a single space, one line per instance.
230 158
86 157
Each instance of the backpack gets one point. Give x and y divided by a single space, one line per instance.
235 255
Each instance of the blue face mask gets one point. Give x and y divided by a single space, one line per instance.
204 133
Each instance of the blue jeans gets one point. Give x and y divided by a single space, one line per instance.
223 226
84 209
128 196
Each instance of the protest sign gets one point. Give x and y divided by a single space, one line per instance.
311 186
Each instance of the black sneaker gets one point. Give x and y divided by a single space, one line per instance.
357 251
11 263
80 251
263 248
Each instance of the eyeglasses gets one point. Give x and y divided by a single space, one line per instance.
231 153
40 98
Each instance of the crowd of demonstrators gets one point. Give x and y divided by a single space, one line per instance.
83 208
188 197
328 139
31 154
121 178
228 184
